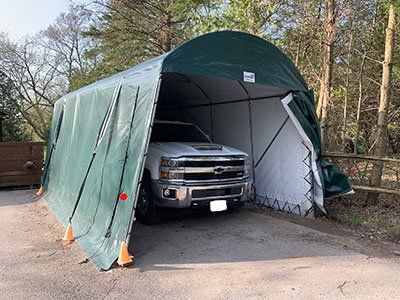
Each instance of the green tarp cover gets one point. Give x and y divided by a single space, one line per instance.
112 118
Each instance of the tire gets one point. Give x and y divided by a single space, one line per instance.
145 208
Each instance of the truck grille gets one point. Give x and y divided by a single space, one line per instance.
234 191
211 176
212 163
211 169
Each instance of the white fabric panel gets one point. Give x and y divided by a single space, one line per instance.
267 117
173 115
318 192
231 125
279 177
220 89
201 117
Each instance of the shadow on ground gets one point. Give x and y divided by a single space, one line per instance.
244 236
16 196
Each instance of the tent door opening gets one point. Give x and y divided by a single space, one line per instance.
255 119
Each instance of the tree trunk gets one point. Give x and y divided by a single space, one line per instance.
381 135
327 74
348 73
360 98
168 34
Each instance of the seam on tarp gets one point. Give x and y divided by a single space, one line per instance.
272 141
53 145
111 111
153 112
108 232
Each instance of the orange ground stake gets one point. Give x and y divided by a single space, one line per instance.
69 236
40 192
124 259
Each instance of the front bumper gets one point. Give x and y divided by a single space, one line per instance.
195 196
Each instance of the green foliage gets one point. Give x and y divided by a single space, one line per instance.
352 219
14 126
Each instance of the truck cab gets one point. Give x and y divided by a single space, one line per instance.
185 172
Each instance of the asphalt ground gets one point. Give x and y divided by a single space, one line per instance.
251 254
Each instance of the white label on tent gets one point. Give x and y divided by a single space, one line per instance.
249 77
218 205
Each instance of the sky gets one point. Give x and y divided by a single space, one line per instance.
22 17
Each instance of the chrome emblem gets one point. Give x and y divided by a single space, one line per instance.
218 170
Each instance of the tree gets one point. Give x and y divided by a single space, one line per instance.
132 31
48 65
381 135
14 126
68 44
324 101
35 80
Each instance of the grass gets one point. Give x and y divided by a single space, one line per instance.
393 229
353 218
383 222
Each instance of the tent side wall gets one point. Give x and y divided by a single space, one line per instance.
123 107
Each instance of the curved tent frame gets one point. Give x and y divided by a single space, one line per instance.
100 133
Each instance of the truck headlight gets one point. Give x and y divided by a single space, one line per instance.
170 175
169 162
168 169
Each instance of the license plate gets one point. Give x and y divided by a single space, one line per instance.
218 205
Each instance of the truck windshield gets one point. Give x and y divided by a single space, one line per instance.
170 132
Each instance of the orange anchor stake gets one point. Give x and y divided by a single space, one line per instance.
124 258
40 192
69 236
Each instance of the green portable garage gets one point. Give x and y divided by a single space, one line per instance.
238 88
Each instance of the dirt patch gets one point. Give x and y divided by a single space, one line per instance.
380 222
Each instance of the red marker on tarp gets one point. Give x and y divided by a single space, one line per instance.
123 196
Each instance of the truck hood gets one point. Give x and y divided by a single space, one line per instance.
173 149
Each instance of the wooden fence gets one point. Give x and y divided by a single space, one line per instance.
358 168
21 163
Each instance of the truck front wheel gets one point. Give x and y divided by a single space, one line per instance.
145 208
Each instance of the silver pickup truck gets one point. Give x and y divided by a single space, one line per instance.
186 172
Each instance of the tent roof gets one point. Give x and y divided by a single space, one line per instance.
222 54
226 54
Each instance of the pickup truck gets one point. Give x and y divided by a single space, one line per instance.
185 172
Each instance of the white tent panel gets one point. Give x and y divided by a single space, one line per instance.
231 125
201 116
268 116
280 177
